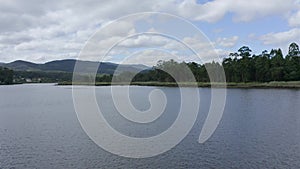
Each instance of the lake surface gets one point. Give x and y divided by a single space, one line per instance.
39 128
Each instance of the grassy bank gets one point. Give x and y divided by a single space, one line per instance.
292 84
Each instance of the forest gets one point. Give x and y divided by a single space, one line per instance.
241 66
6 76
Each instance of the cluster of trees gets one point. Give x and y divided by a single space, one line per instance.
265 67
42 77
168 71
240 66
6 76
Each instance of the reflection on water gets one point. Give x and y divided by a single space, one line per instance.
39 129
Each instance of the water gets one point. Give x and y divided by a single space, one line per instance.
39 129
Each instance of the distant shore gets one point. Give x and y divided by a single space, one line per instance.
291 84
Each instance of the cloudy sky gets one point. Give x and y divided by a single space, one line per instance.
41 31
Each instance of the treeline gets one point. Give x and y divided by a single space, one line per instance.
265 67
6 76
41 77
240 66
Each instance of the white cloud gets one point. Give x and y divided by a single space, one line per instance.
150 57
119 28
38 30
281 37
242 10
294 19
227 42
145 41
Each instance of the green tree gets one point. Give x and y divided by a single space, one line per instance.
245 51
6 76
293 49
245 65
293 63
262 67
277 65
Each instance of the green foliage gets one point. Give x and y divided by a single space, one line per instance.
6 76
293 50
265 67
41 77
239 67
104 78
245 51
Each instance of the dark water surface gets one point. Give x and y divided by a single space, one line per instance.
260 128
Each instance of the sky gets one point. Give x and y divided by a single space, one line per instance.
42 31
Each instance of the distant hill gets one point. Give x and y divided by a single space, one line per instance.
22 66
68 66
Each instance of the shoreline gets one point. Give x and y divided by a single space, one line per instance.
250 85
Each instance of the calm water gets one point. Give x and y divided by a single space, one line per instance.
39 129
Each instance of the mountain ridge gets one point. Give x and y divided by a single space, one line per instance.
67 65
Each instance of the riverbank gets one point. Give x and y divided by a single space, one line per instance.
10 84
292 84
